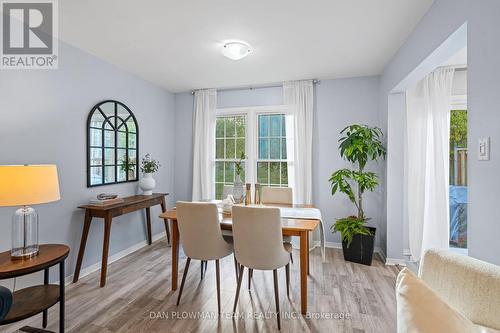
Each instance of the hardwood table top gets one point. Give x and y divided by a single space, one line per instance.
127 201
288 224
49 255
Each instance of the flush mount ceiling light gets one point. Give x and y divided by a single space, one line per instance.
236 50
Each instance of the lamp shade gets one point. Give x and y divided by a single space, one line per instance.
28 184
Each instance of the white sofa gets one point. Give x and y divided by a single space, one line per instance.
469 285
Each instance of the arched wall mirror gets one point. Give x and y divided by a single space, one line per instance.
112 144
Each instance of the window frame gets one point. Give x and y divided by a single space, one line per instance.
251 137
269 160
227 160
96 108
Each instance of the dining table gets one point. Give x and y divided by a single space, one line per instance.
291 226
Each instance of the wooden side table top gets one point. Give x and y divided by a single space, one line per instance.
49 255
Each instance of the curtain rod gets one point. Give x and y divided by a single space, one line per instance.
457 68
251 87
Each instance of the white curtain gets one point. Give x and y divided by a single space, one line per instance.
205 103
427 162
298 96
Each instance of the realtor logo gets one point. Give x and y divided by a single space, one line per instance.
29 34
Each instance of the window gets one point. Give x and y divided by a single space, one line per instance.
229 146
272 168
112 144
260 134
458 179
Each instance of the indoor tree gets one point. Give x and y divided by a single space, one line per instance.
358 145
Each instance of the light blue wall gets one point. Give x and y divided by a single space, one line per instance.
483 25
250 97
183 146
337 104
340 103
43 120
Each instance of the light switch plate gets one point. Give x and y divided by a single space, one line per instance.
484 149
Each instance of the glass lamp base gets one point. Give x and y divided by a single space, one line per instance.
24 233
24 253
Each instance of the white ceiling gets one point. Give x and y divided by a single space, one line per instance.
176 43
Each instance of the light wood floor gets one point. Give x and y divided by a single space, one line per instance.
138 288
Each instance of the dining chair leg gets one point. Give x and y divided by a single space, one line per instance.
201 270
287 270
186 268
240 278
236 268
204 265
217 273
291 257
276 297
250 274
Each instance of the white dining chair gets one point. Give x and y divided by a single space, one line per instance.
201 238
278 196
258 244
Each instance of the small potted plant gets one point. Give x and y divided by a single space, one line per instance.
148 167
358 145
238 189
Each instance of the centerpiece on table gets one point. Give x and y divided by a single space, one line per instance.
238 188
358 145
148 167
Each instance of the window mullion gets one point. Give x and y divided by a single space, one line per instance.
250 137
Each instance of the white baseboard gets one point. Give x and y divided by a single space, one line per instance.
115 257
335 245
395 261
388 261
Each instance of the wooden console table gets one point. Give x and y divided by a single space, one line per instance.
130 204
31 301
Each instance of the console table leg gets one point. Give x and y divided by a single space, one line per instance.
105 248
45 282
61 295
148 224
83 243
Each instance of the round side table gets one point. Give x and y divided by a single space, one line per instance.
31 301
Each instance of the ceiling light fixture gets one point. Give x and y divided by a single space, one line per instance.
236 50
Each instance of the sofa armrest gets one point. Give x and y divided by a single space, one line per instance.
469 285
5 302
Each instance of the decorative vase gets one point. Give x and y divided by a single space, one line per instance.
147 183
238 190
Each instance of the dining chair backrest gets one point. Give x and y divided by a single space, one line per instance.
277 195
200 231
258 239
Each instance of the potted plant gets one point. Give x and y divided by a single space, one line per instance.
358 145
238 190
148 167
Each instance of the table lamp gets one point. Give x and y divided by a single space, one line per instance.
23 185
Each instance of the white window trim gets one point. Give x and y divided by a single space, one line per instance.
251 145
459 102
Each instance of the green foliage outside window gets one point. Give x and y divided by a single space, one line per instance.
458 128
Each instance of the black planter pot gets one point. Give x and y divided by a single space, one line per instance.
361 249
